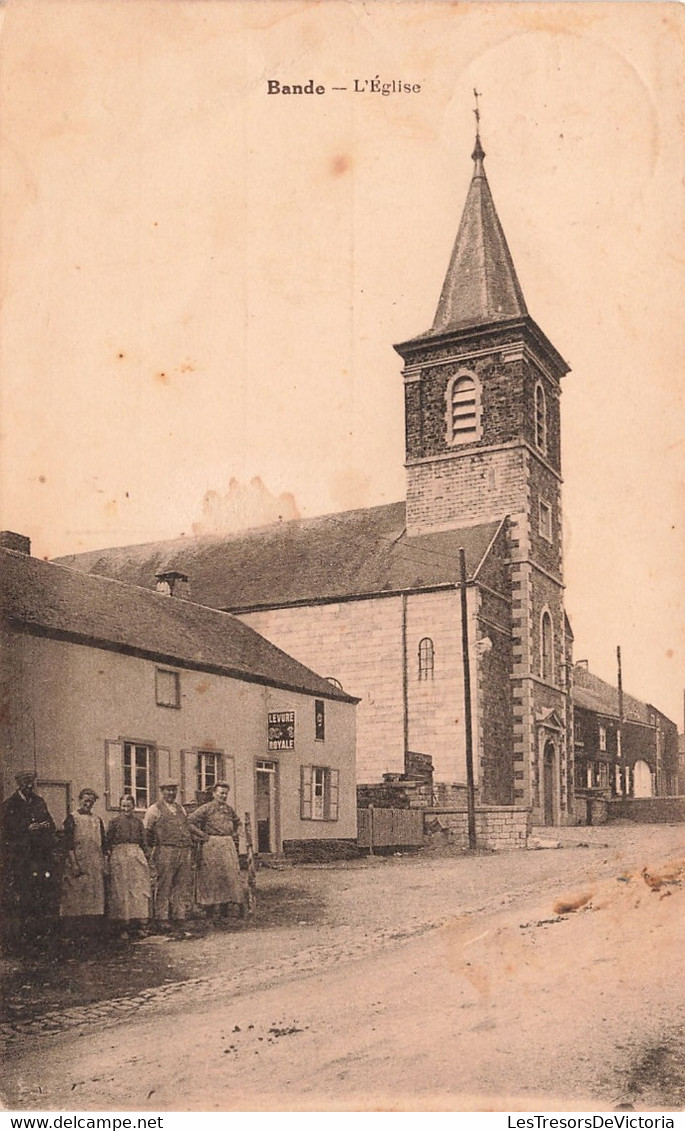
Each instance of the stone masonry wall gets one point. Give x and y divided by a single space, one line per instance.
495 704
465 488
652 810
394 795
533 375
501 394
497 827
543 486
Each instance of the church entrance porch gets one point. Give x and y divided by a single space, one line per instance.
549 787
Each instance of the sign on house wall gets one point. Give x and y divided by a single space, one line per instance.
281 730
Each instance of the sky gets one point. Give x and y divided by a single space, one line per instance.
201 282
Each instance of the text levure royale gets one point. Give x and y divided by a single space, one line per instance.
375 85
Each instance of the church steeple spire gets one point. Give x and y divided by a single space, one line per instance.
478 151
481 286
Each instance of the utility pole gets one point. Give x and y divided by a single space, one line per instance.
619 732
470 792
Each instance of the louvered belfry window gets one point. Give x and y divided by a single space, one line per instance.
463 410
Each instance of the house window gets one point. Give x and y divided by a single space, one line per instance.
545 524
319 793
602 738
139 774
426 658
463 409
599 777
319 720
547 648
540 418
210 769
334 682
167 688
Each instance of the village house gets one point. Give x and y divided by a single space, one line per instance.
622 747
372 598
117 687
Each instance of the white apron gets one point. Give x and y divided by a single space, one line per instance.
84 894
129 883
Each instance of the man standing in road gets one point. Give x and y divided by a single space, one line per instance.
170 837
29 883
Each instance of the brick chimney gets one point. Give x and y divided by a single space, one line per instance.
174 584
17 542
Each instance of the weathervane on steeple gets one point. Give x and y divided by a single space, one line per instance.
478 151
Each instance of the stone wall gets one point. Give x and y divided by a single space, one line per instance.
495 703
397 791
464 488
588 810
498 827
647 810
398 794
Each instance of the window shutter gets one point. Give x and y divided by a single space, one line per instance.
165 770
175 767
333 795
114 773
228 774
306 773
186 788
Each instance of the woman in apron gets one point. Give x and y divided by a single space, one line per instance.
129 874
83 881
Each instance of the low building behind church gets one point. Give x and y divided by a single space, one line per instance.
623 747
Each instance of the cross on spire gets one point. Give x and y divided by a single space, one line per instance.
478 152
477 94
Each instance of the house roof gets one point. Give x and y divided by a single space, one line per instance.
353 554
53 600
481 285
594 694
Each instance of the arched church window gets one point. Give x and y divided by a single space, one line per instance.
547 648
540 418
463 409
426 658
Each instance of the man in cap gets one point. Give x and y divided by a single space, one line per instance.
171 838
29 884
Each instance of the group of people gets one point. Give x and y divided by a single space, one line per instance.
136 869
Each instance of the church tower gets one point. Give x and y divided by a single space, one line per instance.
482 390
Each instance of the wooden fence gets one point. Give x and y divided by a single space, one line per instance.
385 828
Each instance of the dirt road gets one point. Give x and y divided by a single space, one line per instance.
548 979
